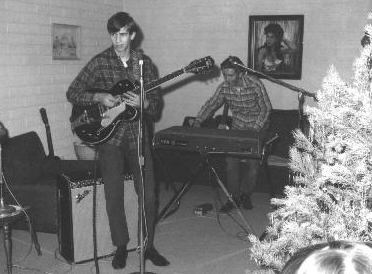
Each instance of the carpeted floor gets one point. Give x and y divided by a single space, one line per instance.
192 243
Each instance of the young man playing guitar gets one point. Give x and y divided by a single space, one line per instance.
118 62
246 97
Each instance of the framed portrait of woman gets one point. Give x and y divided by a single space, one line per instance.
275 45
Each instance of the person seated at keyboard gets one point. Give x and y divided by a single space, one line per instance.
250 108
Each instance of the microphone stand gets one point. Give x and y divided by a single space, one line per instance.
301 92
141 155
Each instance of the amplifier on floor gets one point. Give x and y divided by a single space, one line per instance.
75 232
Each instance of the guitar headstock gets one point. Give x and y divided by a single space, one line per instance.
200 65
44 116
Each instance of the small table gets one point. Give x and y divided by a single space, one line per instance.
6 219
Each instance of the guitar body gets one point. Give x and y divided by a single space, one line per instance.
94 125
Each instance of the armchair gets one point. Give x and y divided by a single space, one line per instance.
31 178
275 157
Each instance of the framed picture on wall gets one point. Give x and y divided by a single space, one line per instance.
66 41
275 45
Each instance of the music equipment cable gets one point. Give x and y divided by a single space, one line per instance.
241 235
250 229
94 217
27 218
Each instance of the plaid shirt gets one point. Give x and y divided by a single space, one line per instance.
247 100
105 70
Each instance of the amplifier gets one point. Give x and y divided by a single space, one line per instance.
203 140
75 232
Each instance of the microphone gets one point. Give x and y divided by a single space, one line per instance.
238 64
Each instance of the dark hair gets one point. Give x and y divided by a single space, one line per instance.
275 29
119 20
278 32
230 63
334 257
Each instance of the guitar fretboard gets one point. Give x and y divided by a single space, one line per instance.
153 84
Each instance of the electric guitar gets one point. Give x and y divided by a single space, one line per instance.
96 124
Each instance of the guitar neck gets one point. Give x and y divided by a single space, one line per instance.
49 140
153 84
44 117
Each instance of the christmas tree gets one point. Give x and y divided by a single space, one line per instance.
331 196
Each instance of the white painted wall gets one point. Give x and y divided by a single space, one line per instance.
177 32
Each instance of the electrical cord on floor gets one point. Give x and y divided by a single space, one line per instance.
26 215
71 264
244 231
26 268
217 203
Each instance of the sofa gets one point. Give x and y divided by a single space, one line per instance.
275 173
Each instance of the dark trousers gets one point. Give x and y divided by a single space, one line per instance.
241 175
111 162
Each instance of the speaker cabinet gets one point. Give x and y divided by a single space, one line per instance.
75 232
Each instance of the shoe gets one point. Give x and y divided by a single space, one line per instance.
246 201
228 206
120 258
153 255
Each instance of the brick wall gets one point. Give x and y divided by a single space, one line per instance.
29 78
175 33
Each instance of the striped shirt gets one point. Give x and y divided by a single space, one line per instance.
102 72
248 102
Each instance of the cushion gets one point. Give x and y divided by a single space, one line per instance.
283 122
23 158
